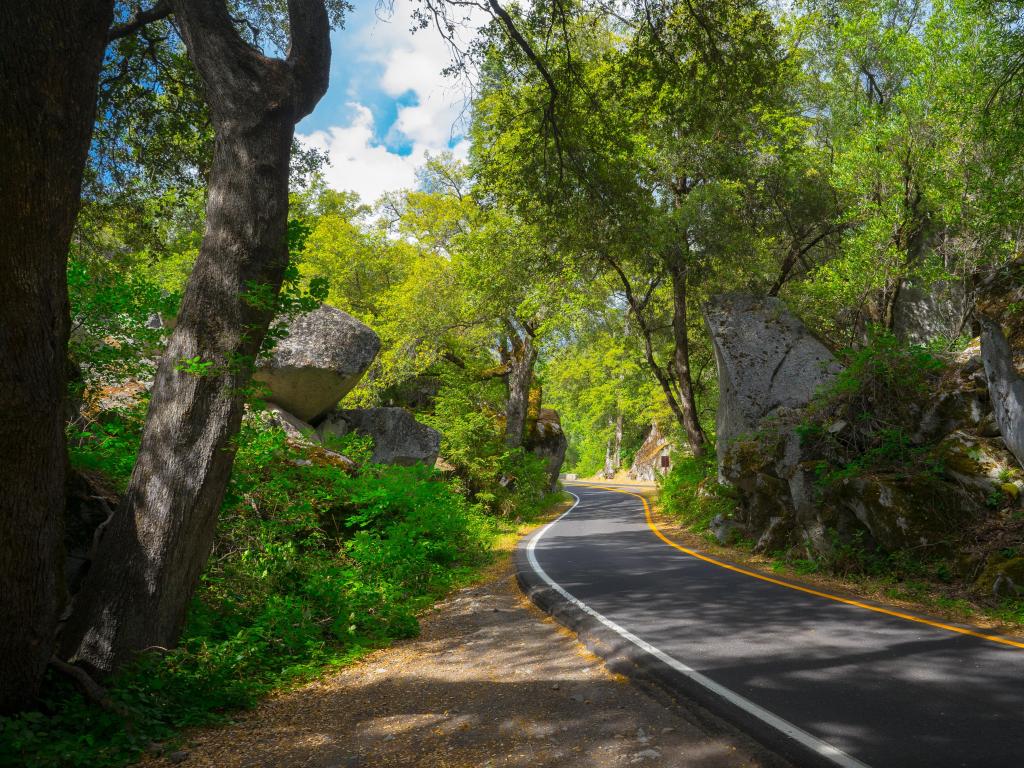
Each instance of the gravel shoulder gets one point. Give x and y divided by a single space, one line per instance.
491 681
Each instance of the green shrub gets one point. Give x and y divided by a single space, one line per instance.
507 481
311 566
865 419
691 493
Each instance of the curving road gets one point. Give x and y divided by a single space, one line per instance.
821 680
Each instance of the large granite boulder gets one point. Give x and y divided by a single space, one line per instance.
324 355
547 440
1005 386
397 437
925 313
767 360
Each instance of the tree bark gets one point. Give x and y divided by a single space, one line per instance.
50 57
617 453
150 558
681 359
521 361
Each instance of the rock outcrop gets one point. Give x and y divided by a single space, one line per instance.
791 485
923 314
324 355
397 437
1005 386
767 360
653 458
295 429
547 440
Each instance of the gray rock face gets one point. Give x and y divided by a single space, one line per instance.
323 357
766 358
1005 386
923 314
397 437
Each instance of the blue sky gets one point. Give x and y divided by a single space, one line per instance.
388 104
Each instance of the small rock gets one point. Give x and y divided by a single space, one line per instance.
646 754
668 730
555 686
577 698
178 757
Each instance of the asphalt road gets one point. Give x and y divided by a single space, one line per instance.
821 681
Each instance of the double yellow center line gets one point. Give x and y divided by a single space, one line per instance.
807 590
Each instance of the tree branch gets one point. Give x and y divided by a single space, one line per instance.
93 691
142 17
527 49
309 52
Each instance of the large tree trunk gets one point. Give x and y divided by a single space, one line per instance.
613 450
681 361
521 362
50 57
150 558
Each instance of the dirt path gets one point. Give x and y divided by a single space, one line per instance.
490 682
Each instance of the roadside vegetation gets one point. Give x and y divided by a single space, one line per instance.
313 565
169 552
878 399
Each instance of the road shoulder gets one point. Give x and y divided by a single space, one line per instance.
491 681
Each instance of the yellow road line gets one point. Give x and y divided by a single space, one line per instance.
877 609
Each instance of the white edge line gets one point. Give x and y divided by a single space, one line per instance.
823 748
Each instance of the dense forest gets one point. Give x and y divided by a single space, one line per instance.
176 541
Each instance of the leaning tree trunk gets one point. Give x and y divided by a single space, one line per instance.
50 57
681 360
150 558
522 358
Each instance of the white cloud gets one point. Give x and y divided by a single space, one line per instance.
358 162
403 62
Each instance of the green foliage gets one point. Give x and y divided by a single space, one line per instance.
851 557
507 481
864 420
312 566
691 493
108 445
111 338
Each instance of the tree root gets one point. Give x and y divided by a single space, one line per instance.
93 691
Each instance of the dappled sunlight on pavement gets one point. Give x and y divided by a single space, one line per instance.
491 682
